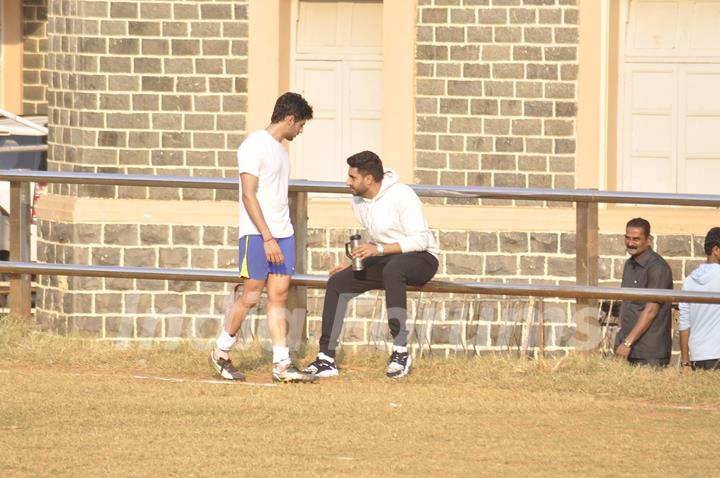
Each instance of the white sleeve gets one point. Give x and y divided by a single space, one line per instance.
684 321
249 158
413 224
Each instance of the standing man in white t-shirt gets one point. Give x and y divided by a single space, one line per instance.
267 244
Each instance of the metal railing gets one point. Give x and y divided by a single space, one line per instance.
586 291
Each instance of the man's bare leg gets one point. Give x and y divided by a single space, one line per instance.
252 288
277 313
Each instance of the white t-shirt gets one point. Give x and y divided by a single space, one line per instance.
264 157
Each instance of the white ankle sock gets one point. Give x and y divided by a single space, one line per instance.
225 341
281 354
322 356
402 350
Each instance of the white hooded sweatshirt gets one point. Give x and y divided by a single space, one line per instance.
395 215
703 320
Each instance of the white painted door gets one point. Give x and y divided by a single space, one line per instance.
338 68
669 124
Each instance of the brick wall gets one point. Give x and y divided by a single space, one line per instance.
479 324
35 74
147 87
155 88
496 93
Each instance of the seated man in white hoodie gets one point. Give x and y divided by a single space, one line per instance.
399 250
700 323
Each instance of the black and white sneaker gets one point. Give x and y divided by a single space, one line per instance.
322 368
225 368
399 364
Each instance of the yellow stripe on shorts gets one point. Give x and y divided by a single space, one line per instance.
244 272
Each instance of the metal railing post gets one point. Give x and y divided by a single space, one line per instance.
20 291
586 274
297 297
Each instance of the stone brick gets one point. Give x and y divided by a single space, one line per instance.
463 264
479 144
426 142
560 266
463 53
560 53
543 242
121 234
123 10
509 144
508 35
173 257
168 303
522 15
430 87
529 89
479 35
539 71
532 265
454 106
496 126
198 304
463 161
482 242
532 163
498 162
565 109
464 88
466 125
559 90
450 34
185 235
84 326
537 34
432 52
434 15
144 29
452 143
452 178
513 242
492 16
508 70
500 265
526 127
564 181
178 327
570 16
559 127
566 35
496 53
540 181
453 241
569 72
431 160
105 256
484 107
679 246
499 89
432 124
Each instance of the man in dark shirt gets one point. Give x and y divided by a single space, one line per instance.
645 327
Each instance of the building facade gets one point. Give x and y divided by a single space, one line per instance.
607 94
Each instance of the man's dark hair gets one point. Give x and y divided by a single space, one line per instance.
291 104
366 163
639 222
712 239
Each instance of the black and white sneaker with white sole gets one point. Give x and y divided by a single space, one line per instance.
322 368
399 364
225 368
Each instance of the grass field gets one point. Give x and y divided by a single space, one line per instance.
73 407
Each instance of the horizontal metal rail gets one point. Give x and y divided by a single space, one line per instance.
320 282
31 148
299 185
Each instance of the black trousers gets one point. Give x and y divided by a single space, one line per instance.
710 364
392 273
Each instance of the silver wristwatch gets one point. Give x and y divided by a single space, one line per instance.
380 249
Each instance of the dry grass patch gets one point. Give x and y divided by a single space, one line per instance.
72 407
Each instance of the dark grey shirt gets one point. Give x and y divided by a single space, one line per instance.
648 271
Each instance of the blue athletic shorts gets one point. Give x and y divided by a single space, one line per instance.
253 262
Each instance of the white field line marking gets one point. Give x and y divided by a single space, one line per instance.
184 380
166 379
